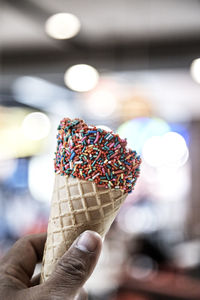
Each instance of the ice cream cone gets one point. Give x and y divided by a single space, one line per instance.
77 205
95 171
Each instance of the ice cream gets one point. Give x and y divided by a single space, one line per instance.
94 172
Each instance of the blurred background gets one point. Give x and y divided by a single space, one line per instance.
132 66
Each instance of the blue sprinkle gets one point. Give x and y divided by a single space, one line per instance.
91 131
72 155
93 163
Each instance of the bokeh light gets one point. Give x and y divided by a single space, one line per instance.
143 267
62 26
101 104
168 150
7 168
139 130
37 92
138 219
195 70
81 78
41 177
36 126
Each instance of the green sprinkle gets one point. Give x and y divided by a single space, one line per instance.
107 176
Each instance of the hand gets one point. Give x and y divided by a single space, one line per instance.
71 272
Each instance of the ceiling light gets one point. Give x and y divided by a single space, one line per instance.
81 78
62 26
36 126
195 70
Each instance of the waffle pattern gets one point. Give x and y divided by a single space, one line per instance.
77 205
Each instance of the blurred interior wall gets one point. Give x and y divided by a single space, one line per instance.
193 224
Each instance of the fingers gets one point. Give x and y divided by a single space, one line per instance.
20 261
75 267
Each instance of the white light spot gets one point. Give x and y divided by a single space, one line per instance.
41 177
138 220
36 126
168 150
62 26
195 70
81 78
143 267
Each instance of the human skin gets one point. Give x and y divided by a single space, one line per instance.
68 278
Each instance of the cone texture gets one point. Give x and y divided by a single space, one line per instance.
77 205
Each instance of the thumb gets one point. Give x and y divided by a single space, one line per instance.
75 267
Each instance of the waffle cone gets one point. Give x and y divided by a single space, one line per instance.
77 205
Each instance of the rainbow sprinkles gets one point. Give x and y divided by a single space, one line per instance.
90 153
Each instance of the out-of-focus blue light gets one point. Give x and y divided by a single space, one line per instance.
137 131
182 130
38 92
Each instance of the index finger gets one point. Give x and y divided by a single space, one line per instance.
25 254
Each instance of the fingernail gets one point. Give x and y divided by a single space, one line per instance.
88 241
